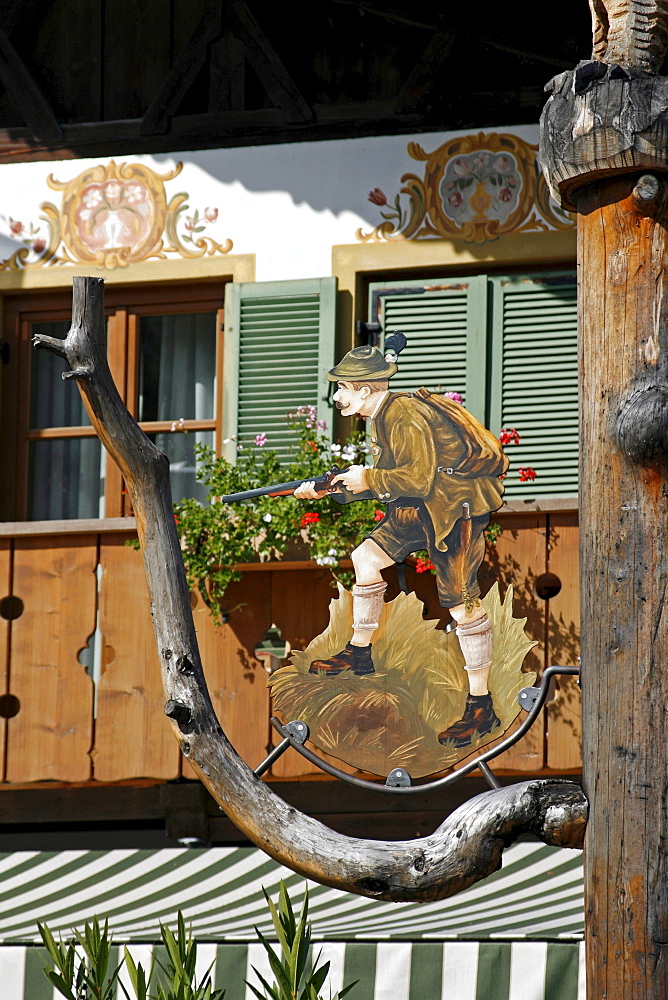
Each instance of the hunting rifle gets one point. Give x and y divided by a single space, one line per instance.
323 482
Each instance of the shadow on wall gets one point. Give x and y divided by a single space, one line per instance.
333 175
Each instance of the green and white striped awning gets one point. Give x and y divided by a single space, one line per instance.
397 970
512 937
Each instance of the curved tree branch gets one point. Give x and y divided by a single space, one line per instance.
464 849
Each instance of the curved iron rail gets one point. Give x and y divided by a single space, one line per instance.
295 740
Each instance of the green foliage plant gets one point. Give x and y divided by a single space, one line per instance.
294 979
88 978
91 979
179 973
217 537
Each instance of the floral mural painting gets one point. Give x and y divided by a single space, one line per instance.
112 215
476 187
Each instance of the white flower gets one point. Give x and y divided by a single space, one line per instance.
92 198
335 448
332 552
364 448
113 190
267 518
325 561
134 192
84 214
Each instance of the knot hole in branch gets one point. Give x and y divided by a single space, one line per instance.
642 426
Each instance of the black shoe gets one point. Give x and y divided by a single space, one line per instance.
478 720
355 658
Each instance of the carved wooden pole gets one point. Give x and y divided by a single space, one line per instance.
468 844
605 153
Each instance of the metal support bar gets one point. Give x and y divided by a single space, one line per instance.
448 779
489 775
277 752
295 735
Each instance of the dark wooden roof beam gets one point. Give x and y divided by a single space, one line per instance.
422 79
227 75
276 80
178 81
467 27
26 95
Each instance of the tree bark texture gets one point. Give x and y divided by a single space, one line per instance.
464 849
623 288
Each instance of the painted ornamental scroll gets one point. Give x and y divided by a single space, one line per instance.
112 215
475 187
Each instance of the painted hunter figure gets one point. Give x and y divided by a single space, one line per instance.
436 469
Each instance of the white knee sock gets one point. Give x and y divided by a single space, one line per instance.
368 603
475 640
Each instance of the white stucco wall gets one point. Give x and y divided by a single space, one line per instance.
288 204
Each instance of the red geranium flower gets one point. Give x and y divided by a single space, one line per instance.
423 565
379 515
526 474
509 436
310 518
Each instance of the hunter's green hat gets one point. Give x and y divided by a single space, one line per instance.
362 364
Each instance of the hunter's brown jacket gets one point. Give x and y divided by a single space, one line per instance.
417 451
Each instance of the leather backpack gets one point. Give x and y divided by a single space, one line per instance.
484 455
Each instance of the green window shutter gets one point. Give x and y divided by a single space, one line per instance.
279 345
445 320
534 383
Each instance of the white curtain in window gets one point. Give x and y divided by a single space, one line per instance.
66 479
65 475
178 380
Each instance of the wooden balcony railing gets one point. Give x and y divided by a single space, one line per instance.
83 698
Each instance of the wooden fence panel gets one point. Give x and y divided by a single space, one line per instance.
564 722
133 739
237 682
300 605
51 736
5 627
517 559
54 576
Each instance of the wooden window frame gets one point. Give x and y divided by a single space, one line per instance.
124 307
